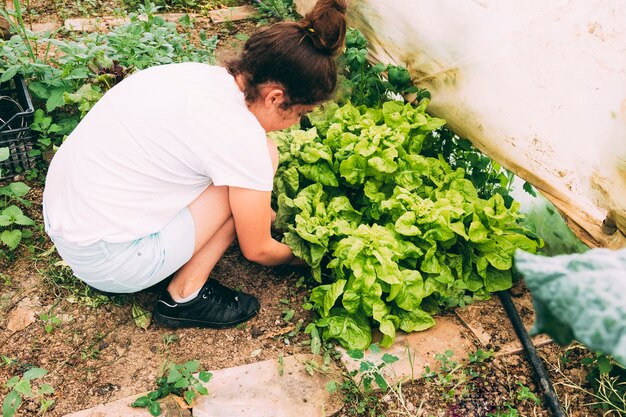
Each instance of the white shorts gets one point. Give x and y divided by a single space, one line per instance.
132 266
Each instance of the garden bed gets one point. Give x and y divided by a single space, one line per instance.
95 352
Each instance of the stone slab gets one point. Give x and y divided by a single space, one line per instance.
232 14
169 408
24 314
45 27
93 24
261 389
113 409
417 350
269 389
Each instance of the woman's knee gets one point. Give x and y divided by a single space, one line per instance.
210 210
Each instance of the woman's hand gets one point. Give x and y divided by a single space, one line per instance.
295 261
253 215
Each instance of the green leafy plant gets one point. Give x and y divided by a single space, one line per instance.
360 386
372 85
488 176
281 9
608 383
14 224
525 393
67 83
49 320
141 316
47 132
450 377
4 155
509 411
392 236
22 388
180 381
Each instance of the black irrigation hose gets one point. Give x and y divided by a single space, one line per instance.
540 371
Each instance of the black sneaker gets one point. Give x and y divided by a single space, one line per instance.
216 307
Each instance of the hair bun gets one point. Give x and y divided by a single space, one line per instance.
326 25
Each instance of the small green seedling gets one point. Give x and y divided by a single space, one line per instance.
452 377
508 412
21 389
180 381
359 385
525 393
141 316
288 315
50 321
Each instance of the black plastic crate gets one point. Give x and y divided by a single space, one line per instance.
16 115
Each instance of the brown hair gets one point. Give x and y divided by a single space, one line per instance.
300 56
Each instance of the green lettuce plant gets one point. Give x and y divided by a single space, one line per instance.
391 235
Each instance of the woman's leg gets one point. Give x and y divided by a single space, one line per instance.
215 231
192 299
215 306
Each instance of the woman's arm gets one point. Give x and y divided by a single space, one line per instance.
253 220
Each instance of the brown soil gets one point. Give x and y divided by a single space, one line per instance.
58 10
482 389
98 354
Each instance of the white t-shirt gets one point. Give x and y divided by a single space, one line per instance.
148 148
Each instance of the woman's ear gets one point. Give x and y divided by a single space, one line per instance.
274 97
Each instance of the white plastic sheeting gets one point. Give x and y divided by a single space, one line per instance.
538 86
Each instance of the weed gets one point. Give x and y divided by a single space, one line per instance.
524 393
92 351
281 364
480 356
288 315
65 285
49 320
608 381
141 316
280 9
135 5
14 224
21 388
169 339
5 360
452 378
508 412
359 385
46 130
180 381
